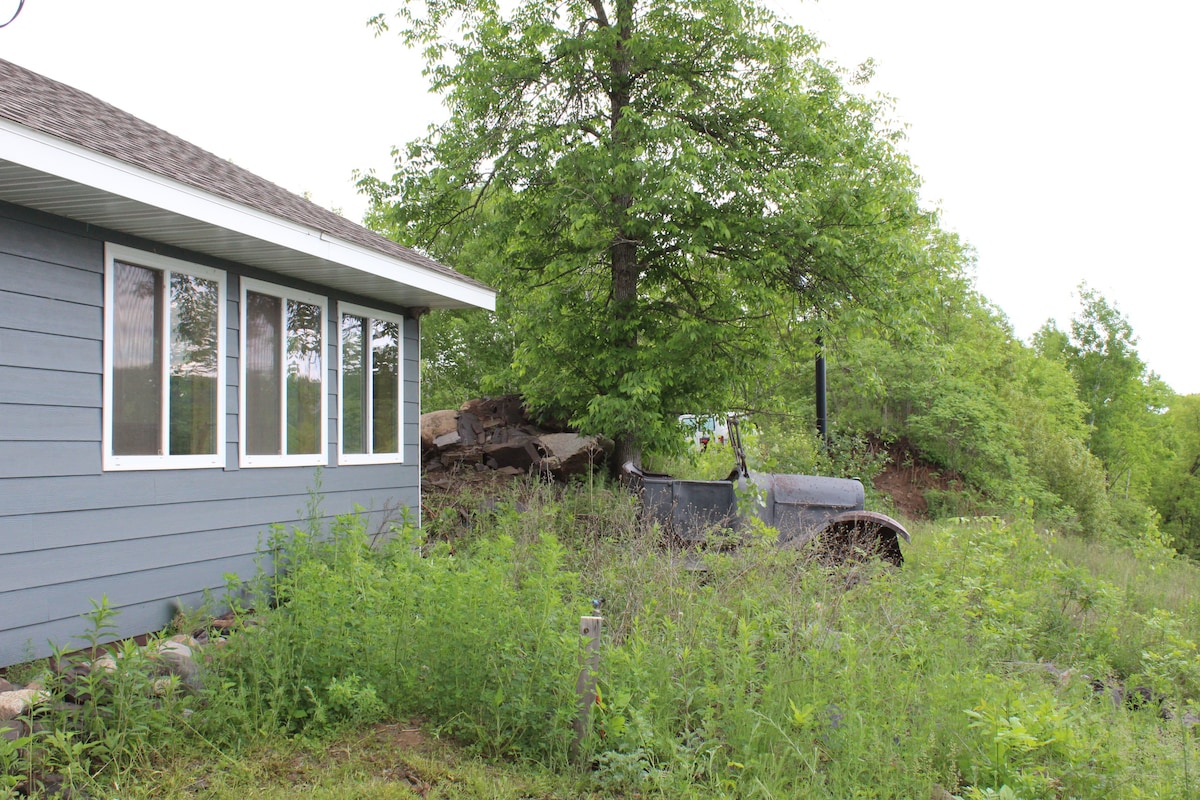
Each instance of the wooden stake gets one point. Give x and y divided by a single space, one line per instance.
585 687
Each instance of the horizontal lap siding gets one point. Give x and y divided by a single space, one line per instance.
47 387
41 604
67 529
49 459
412 393
48 423
62 353
71 533
22 644
161 487
40 315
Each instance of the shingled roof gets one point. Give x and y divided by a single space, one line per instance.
55 109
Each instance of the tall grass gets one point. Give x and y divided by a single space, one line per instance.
990 661
477 638
999 662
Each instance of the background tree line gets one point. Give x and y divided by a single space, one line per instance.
676 199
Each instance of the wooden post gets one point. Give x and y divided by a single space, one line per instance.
585 687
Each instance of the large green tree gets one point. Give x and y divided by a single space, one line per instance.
1176 487
653 186
1123 398
961 390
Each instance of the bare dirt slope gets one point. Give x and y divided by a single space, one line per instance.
907 478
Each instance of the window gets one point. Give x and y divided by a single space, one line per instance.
164 362
370 390
283 417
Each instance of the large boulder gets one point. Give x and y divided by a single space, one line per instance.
436 424
16 702
519 450
570 454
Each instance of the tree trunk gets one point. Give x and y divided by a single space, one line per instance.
626 449
624 252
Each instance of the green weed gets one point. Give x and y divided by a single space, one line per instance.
999 662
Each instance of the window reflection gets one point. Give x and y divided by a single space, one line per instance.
284 396
137 360
371 390
354 386
193 373
385 386
264 324
303 377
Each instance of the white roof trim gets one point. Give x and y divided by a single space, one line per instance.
77 164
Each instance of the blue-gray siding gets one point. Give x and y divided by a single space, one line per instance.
71 533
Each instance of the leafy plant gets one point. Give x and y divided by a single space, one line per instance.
358 632
14 757
354 701
987 665
1017 738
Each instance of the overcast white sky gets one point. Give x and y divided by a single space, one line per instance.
1056 136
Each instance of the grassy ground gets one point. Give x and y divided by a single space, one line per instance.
383 760
999 662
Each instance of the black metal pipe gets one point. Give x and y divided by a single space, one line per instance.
822 407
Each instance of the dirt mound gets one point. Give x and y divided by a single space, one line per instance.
908 477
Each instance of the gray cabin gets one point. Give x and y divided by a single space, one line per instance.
184 347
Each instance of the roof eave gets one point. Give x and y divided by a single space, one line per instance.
68 180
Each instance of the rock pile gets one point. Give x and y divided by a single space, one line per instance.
74 686
167 661
497 435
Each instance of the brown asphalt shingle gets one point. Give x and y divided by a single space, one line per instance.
58 110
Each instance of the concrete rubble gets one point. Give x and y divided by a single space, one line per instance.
496 435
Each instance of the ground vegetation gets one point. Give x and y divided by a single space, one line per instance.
1000 661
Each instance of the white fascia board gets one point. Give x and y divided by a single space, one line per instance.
365 260
77 164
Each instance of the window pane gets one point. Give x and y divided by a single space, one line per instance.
354 386
137 360
303 377
385 386
264 331
194 336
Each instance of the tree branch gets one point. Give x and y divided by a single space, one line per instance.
601 15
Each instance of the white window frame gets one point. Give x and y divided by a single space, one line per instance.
141 258
284 293
370 458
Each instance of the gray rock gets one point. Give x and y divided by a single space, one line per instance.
13 729
447 440
435 424
15 703
517 451
572 454
106 662
175 658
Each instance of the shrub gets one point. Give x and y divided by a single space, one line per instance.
480 640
